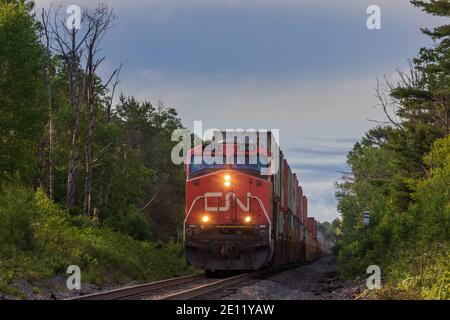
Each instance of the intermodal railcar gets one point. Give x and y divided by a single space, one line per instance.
237 218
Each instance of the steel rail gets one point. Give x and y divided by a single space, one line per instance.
198 292
138 290
210 287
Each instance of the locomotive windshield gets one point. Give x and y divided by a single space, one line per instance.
201 164
247 163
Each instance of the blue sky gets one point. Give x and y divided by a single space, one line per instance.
306 67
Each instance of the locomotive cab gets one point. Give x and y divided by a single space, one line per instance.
227 223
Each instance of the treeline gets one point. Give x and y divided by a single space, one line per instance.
400 173
83 181
61 132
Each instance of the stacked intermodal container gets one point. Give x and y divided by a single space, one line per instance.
305 211
300 204
294 230
312 228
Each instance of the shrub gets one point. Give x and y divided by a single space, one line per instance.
40 240
131 223
16 213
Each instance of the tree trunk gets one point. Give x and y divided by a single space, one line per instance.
41 175
50 125
75 102
71 179
89 153
48 81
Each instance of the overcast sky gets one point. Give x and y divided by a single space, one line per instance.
306 67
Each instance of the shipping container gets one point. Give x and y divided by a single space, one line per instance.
312 228
285 186
282 178
277 180
300 204
305 210
289 188
296 201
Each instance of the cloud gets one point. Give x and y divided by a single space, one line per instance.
320 152
329 110
388 4
321 168
321 200
317 119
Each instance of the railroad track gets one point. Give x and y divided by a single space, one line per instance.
200 291
182 288
169 289
209 289
138 291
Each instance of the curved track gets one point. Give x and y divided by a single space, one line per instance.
182 288
171 289
199 291
142 290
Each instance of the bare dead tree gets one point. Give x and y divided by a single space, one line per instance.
99 21
437 108
70 43
150 202
410 79
386 104
441 110
114 81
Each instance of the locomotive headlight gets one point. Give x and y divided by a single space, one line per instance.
248 219
227 179
205 219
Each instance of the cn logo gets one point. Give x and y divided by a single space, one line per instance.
228 196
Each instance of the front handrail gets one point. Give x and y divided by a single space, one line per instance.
261 204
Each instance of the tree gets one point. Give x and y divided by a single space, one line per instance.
399 173
47 43
70 47
148 130
21 91
99 21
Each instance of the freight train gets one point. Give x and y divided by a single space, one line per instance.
237 218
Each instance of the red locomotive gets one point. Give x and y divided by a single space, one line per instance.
238 219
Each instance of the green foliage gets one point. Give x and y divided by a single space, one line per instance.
22 115
331 230
60 240
412 246
401 174
134 224
150 129
16 212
